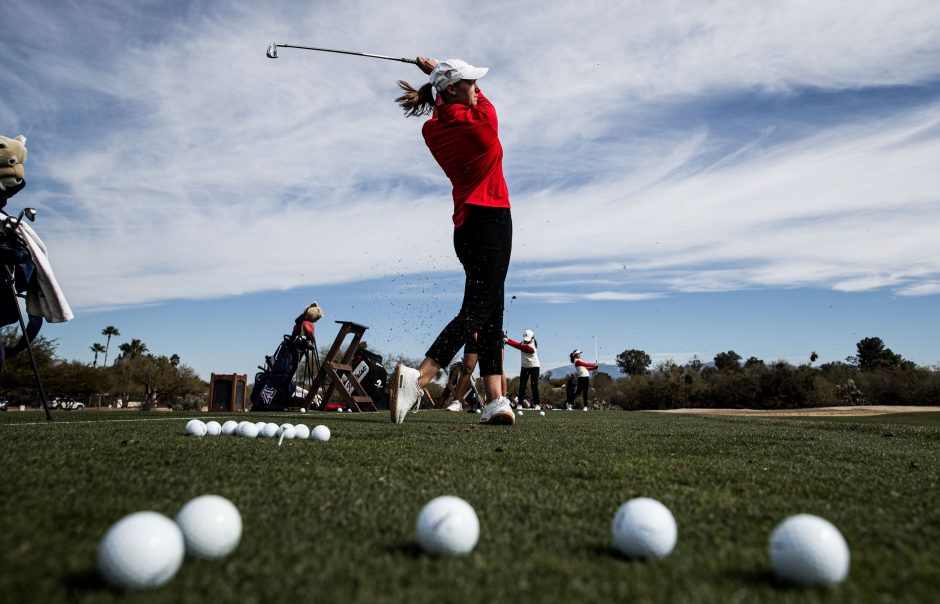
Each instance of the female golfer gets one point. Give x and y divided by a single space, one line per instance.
530 364
463 136
581 369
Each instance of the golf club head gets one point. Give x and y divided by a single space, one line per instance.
272 51
30 213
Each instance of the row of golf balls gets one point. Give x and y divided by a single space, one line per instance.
804 549
145 549
195 427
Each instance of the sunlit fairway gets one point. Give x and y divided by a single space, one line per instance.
335 521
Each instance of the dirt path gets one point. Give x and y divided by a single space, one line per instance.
813 411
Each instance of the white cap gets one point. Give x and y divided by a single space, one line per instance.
451 71
527 335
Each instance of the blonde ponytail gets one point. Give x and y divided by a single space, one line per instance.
415 102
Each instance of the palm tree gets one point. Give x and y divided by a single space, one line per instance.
97 349
109 331
133 349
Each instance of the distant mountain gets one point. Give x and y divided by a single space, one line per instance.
560 372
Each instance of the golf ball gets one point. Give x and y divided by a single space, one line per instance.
520 413
320 433
195 427
542 413
248 430
448 526
140 551
211 526
340 410
229 427
213 428
260 426
301 431
644 528
269 430
303 409
287 431
809 550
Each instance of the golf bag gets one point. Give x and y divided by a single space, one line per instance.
275 387
368 369
19 276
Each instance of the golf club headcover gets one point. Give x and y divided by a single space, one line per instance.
12 157
303 325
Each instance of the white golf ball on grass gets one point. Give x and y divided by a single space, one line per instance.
141 551
260 426
448 526
211 526
644 528
213 428
320 433
195 427
269 431
229 427
301 431
809 550
247 430
287 432
541 413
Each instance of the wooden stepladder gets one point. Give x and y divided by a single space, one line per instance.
337 374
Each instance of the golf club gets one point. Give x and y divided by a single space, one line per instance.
272 52
13 223
506 316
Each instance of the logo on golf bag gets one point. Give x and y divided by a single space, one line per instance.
267 394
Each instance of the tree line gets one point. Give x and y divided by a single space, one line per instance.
135 374
875 375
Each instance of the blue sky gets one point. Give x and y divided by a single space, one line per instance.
686 177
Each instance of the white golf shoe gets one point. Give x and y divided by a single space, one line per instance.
454 406
498 413
404 393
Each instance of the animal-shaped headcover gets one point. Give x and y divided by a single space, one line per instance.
12 157
303 325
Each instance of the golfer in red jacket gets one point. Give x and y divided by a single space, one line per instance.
463 136
581 369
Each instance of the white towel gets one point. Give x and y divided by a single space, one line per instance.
49 302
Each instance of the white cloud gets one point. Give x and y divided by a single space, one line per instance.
216 171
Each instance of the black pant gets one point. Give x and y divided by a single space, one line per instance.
483 244
584 384
529 373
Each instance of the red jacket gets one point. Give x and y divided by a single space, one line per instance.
519 345
465 142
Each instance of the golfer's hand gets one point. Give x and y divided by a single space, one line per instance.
426 64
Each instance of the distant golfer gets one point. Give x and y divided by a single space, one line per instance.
581 369
530 364
463 136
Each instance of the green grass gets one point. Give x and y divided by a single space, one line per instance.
335 521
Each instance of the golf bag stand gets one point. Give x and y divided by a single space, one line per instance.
19 275
336 373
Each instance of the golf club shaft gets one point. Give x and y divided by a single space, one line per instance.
348 52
